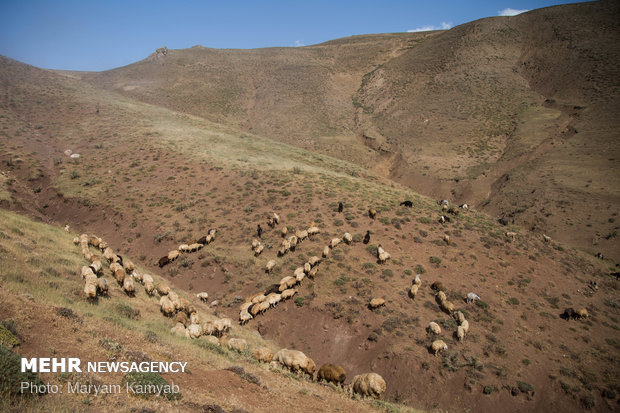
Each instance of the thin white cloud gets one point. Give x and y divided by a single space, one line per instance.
510 12
298 43
442 26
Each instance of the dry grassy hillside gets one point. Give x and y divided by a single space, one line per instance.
515 115
149 179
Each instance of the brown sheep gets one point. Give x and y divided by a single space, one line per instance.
372 213
163 261
438 286
182 318
332 373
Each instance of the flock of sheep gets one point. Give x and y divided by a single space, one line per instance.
260 302
188 323
123 271
187 248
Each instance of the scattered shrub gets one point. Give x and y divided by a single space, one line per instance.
12 377
145 382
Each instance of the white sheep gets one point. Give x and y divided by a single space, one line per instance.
434 328
273 299
289 293
129 286
447 306
369 384
284 231
138 276
179 330
326 251
194 330
236 344
334 242
511 235
166 305
261 307
347 238
417 281
263 354
465 325
313 272
208 328
314 260
276 218
258 298
295 360
300 277
244 316
195 247
376 303
163 289
438 345
284 248
460 333
270 266
194 318
222 325
301 234
149 285
292 242
472 297
203 296
383 257
413 291
102 286
90 287
255 243
313 231
258 250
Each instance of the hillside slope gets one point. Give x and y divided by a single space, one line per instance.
149 179
515 115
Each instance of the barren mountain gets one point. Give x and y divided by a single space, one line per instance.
191 140
456 114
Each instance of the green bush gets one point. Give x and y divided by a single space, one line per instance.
142 382
435 260
525 387
7 338
11 376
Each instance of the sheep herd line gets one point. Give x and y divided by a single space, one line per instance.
188 323
260 302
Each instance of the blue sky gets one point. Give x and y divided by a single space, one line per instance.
100 35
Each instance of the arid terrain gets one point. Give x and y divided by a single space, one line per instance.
515 116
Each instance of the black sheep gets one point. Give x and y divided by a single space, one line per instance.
163 261
259 230
202 240
367 237
274 288
408 204
568 314
340 207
